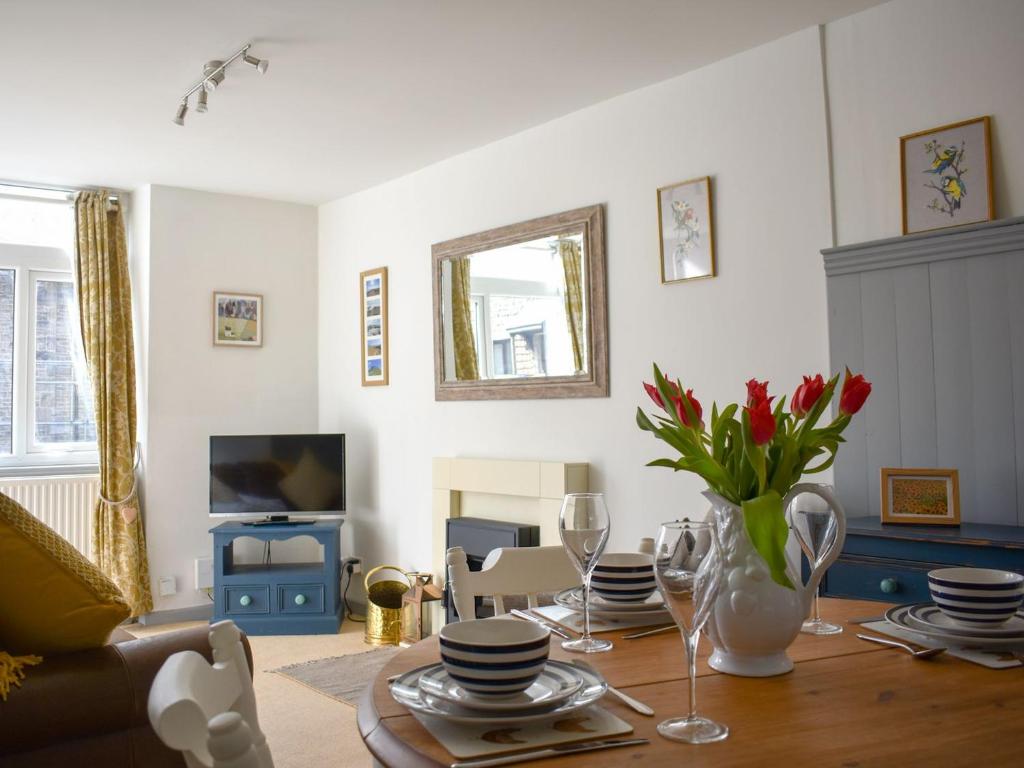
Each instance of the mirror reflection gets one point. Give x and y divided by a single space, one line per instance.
516 312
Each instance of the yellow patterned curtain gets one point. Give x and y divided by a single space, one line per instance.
462 321
572 265
105 306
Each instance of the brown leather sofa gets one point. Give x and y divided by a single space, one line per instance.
88 708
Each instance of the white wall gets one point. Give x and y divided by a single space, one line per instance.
755 122
911 65
200 242
138 209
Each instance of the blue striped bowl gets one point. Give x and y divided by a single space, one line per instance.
626 577
494 657
976 597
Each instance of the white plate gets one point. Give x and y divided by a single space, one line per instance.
930 616
572 599
898 617
406 691
558 682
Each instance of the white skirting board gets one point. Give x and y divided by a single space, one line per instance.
177 615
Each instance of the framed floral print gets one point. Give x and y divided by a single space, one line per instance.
946 176
373 319
920 496
237 319
686 232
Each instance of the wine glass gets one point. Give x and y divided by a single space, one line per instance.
583 525
688 569
814 524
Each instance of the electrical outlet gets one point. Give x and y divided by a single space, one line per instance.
167 586
353 565
204 572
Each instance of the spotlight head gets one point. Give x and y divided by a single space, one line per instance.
179 117
260 64
201 103
213 80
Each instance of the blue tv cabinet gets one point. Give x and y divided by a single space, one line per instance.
278 598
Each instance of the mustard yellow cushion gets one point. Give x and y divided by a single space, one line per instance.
52 599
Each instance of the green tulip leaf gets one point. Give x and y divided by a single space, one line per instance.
765 522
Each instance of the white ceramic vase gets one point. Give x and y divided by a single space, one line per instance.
754 619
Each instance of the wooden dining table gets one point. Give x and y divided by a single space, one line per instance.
847 703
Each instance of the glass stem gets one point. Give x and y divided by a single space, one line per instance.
817 611
690 641
586 605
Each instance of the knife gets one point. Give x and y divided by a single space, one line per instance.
649 632
538 754
555 629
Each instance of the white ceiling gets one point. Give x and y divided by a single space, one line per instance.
358 91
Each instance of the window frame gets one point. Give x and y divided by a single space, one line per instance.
31 263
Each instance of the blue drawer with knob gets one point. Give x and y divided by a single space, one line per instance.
252 598
879 580
891 562
301 598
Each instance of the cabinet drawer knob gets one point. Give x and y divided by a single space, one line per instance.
300 599
245 601
889 585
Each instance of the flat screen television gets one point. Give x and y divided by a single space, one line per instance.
273 476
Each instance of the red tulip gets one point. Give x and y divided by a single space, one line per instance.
681 409
655 395
762 422
806 395
757 391
855 391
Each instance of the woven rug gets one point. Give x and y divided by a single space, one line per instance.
343 678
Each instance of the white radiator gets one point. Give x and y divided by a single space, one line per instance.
66 503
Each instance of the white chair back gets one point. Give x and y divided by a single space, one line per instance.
513 571
508 571
190 698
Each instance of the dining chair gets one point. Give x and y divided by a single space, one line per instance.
208 711
509 571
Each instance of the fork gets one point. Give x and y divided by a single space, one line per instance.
917 653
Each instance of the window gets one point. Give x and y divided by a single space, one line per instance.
61 412
503 358
46 411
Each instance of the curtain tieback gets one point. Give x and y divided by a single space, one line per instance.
129 512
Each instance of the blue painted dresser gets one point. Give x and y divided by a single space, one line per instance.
278 598
891 562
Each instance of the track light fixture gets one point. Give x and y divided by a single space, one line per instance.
213 75
260 64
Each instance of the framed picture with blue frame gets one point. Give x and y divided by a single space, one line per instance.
373 304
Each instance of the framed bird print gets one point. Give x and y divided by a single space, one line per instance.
686 234
946 176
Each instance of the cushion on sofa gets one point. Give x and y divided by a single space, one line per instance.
52 599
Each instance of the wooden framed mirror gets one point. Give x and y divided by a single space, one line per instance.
520 312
